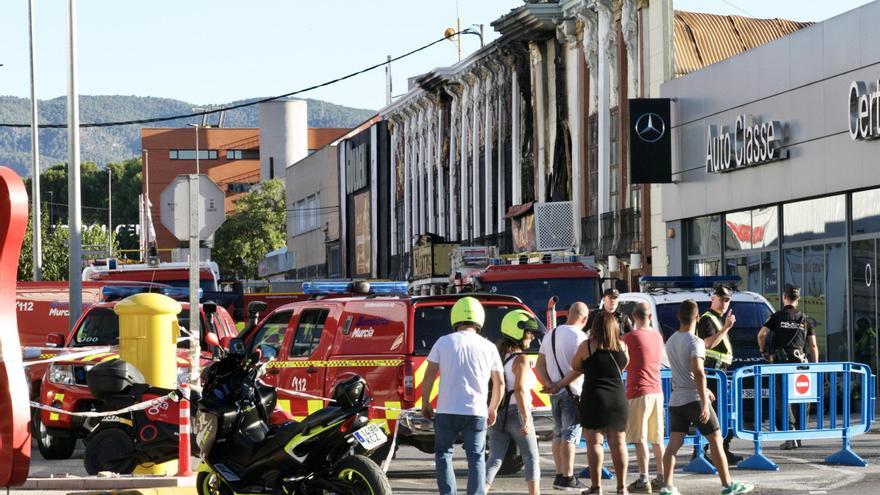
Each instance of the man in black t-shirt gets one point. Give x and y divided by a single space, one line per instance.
782 340
609 303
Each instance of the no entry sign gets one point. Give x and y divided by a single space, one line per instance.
802 387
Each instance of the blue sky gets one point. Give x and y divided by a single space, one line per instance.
216 51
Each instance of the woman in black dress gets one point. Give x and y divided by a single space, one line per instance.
603 406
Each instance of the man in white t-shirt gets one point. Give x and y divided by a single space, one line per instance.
566 427
467 361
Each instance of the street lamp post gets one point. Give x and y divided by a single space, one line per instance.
35 155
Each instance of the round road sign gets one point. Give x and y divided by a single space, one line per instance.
802 384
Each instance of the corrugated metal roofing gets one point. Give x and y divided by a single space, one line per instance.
704 39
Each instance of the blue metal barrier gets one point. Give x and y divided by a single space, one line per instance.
803 386
699 464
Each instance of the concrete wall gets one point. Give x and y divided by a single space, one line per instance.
802 81
283 136
316 173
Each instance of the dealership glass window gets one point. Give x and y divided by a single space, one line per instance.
752 229
705 267
704 236
814 219
866 212
191 154
758 271
865 300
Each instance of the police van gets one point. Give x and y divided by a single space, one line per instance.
665 294
378 331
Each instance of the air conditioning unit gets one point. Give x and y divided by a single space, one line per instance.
554 226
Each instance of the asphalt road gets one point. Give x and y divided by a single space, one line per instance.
801 471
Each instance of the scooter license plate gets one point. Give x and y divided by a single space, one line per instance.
370 436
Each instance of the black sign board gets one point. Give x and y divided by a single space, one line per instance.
357 162
650 145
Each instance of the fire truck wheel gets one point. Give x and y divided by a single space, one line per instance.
512 462
52 447
110 449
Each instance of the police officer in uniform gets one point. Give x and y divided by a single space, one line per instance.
782 340
714 329
609 304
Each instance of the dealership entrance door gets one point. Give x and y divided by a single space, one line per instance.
864 285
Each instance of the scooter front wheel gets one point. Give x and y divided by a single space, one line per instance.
211 484
362 476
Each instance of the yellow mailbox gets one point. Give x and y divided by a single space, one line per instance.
148 333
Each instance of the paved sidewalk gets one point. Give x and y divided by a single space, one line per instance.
412 472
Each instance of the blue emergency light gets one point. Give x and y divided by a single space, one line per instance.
329 287
118 292
690 282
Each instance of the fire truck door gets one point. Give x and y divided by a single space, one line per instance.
271 333
304 370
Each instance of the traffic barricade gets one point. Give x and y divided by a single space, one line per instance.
827 400
716 380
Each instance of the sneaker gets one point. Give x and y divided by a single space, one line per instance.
737 487
658 482
789 445
639 486
572 484
669 490
594 490
557 480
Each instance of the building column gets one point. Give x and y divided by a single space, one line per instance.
395 131
451 207
463 197
567 34
590 44
406 135
515 145
413 143
538 100
421 165
629 23
476 124
488 179
501 80
429 167
607 83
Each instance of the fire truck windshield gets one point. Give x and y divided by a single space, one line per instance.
536 293
100 326
432 322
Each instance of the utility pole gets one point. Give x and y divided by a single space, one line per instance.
194 275
74 215
388 81
35 156
109 212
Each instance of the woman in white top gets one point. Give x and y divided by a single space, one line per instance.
514 421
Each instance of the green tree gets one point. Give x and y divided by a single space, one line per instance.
55 248
257 227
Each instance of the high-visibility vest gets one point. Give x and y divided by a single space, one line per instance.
720 357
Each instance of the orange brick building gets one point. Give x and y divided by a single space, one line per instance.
230 157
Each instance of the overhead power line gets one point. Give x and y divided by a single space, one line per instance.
243 105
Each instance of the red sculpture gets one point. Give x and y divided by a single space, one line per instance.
15 436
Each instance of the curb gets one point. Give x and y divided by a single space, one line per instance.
130 485
164 490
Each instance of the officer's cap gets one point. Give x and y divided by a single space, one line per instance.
722 291
613 293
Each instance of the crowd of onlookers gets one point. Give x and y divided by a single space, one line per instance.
487 388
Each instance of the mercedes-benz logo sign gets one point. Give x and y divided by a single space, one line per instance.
650 127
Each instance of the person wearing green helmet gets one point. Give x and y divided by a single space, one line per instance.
518 328
467 362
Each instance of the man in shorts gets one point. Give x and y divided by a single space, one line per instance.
645 421
691 402
554 362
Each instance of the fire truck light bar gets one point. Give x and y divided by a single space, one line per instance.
693 282
117 292
318 288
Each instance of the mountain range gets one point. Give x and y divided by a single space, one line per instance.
113 144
